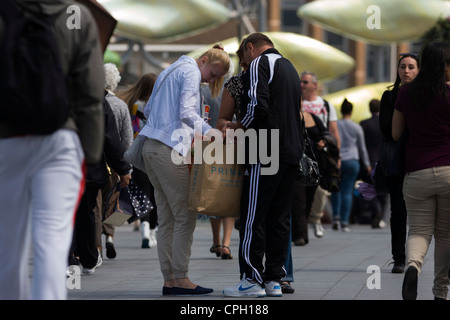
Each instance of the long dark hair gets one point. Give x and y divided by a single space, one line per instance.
430 82
398 80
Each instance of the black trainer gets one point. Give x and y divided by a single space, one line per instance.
409 288
110 250
399 267
286 287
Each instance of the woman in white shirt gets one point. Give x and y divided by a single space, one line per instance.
172 114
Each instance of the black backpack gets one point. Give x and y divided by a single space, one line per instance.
32 83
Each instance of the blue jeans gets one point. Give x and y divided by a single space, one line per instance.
342 201
288 264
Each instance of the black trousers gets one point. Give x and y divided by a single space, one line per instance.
142 180
301 208
265 223
398 219
83 243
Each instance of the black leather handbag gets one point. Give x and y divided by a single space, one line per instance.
308 169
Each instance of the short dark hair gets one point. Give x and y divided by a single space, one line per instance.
258 39
240 51
347 107
374 106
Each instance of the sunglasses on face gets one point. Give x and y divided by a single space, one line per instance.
304 82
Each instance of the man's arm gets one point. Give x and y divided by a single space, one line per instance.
113 148
259 92
88 81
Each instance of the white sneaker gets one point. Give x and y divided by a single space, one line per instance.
273 289
318 230
145 230
91 270
152 240
245 289
145 233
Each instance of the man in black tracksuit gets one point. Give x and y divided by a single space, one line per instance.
271 100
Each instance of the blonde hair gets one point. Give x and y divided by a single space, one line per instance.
217 55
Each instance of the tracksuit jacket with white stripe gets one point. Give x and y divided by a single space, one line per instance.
272 100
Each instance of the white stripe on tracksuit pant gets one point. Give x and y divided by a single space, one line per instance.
265 223
42 180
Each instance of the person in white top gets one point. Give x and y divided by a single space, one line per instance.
326 112
314 104
174 107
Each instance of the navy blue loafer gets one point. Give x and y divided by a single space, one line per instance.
177 291
166 291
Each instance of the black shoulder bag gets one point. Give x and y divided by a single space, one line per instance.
308 169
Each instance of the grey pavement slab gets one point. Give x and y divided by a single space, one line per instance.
334 267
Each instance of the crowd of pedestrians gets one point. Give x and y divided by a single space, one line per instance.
59 182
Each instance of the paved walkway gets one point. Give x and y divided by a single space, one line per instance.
334 267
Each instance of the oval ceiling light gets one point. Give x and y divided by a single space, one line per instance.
165 20
304 53
360 97
378 22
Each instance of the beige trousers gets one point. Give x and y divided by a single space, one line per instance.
318 205
427 198
176 223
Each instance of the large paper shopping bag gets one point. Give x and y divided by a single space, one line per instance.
216 188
